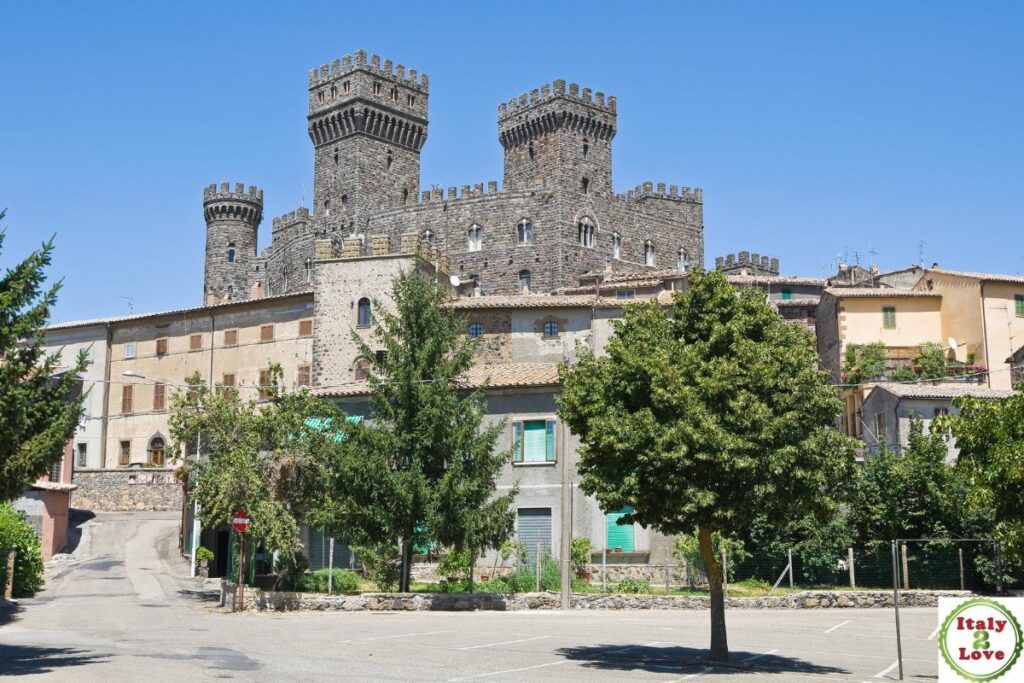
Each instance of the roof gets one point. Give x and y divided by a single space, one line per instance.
776 280
987 277
639 274
495 376
796 301
533 301
178 311
621 284
945 390
878 292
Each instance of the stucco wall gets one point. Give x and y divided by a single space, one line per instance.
1004 330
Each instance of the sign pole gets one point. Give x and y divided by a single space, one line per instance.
896 605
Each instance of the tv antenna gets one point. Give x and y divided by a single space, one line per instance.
920 253
131 303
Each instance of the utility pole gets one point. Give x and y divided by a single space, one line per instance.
566 536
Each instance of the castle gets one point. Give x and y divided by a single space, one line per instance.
555 217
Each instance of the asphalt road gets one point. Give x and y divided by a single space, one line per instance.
124 610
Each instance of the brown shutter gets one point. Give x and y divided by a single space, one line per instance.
195 342
159 401
161 346
230 337
229 380
303 376
264 382
126 398
305 328
267 333
126 454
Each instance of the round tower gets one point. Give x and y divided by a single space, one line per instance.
232 221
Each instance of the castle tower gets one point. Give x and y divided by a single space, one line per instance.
232 220
558 137
368 122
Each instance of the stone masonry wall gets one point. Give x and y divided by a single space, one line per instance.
127 489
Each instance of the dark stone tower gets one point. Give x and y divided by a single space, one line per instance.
563 139
232 220
368 122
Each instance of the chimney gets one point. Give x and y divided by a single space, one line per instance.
935 266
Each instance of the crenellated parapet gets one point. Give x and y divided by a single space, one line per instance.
290 219
747 263
357 60
650 190
555 89
552 108
223 203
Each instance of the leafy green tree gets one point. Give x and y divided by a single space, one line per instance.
707 416
862 362
263 458
39 410
906 495
819 545
931 361
990 466
424 469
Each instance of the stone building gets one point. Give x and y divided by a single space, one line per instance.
555 217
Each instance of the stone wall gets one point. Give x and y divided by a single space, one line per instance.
256 599
127 489
232 220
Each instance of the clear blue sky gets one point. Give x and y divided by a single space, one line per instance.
813 127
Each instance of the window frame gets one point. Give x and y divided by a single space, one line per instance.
616 246
263 336
1018 302
124 453
159 396
304 371
519 443
306 327
162 450
474 238
81 454
195 342
361 321
233 340
127 399
129 351
888 317
649 253
162 346
475 325
546 334
525 233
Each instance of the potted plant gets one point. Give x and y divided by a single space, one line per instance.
580 556
204 556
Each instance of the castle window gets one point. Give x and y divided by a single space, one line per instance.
405 195
363 313
334 92
231 253
524 282
530 151
376 88
475 238
586 232
476 330
411 100
551 329
391 160
394 94
231 291
344 200
327 207
584 184
156 451
309 269
525 232
320 95
649 253
682 262
336 161
346 86
428 237
616 245
586 148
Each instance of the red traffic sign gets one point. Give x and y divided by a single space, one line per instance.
240 522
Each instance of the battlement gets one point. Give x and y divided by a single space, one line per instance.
357 61
300 215
648 189
752 263
454 193
240 193
556 90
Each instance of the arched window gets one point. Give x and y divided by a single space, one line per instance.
309 269
361 369
327 207
525 231
391 160
649 253
551 329
231 253
363 312
682 262
586 231
474 238
156 451
524 282
585 184
476 330
428 237
586 148
616 245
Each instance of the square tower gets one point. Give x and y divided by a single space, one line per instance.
560 138
368 122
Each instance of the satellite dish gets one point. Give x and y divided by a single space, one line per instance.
952 343
454 279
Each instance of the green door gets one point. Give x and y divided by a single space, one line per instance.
620 535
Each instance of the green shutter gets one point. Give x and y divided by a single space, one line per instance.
620 535
889 317
534 441
550 454
517 442
787 294
1018 299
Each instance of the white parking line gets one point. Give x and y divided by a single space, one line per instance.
401 635
507 642
934 633
509 671
883 672
844 623
763 654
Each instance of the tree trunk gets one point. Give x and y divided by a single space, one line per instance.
472 567
719 641
403 580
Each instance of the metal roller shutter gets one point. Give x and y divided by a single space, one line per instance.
535 531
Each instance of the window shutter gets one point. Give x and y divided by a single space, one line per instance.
264 382
517 442
161 346
1018 299
267 333
305 328
195 342
229 380
550 454
230 337
126 454
787 295
158 397
126 399
303 376
889 317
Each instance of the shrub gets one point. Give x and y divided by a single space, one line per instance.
204 554
633 586
290 569
931 360
383 566
753 584
342 581
520 581
496 585
15 531
550 574
903 374
454 570
581 548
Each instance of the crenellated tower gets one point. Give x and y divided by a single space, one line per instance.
232 221
368 122
562 138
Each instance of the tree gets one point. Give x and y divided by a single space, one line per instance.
706 417
931 361
424 469
39 409
906 495
990 436
863 362
264 458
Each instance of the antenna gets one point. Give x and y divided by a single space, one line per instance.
302 202
131 303
920 253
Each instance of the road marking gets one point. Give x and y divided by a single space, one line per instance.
632 647
507 642
883 672
763 654
510 671
934 633
844 623
401 635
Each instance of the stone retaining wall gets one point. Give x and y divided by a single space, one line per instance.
256 599
127 489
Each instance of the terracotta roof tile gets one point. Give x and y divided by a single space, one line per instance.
987 277
877 292
495 375
945 390
533 301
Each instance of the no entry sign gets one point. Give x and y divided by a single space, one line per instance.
240 522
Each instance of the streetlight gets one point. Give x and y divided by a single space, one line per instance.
196 530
